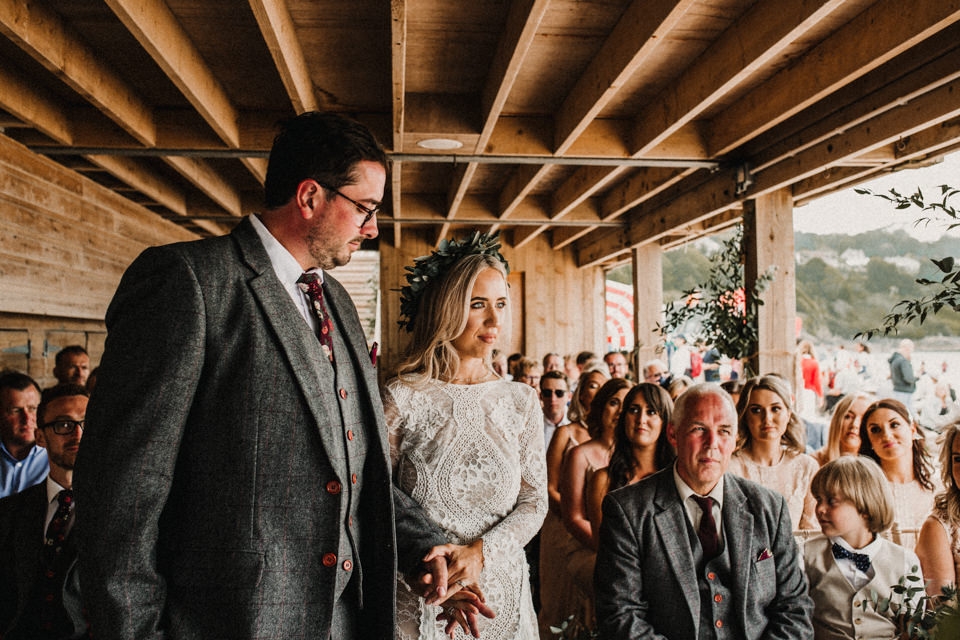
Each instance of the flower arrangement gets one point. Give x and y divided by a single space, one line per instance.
427 269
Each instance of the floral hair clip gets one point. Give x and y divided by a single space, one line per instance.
427 269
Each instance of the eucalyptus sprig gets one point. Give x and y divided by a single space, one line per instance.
915 614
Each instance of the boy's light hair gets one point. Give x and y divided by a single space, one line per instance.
860 480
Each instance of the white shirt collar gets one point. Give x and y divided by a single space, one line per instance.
284 264
53 489
870 550
685 491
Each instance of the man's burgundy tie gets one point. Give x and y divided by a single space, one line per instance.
309 283
57 529
709 539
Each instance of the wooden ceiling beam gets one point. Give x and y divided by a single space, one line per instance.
157 30
642 29
894 26
21 98
42 33
865 99
203 177
890 126
523 20
129 171
280 34
398 77
758 38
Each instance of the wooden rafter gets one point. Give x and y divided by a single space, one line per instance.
279 32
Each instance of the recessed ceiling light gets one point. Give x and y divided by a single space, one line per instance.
440 144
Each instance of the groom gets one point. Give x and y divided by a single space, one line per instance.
234 480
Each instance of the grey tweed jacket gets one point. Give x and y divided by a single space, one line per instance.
204 501
646 581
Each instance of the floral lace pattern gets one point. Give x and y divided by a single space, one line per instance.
473 457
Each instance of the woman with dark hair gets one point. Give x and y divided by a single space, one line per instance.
465 443
640 447
770 447
939 545
888 435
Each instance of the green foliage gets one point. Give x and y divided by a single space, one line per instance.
946 287
724 311
915 614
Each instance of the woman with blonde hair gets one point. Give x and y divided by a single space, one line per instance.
465 443
770 447
889 435
939 544
843 436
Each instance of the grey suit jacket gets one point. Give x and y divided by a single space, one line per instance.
203 502
645 578
22 519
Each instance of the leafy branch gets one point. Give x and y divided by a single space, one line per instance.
947 288
722 307
915 614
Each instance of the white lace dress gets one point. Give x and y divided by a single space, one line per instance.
472 456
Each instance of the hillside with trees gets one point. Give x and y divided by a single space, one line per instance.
845 284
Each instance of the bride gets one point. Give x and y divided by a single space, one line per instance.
465 443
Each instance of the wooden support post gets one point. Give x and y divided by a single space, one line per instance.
647 302
768 243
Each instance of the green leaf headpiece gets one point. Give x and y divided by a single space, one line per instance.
428 269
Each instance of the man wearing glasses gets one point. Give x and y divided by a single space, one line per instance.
238 485
39 586
554 398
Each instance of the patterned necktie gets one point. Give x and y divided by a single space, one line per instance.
709 539
861 560
309 283
57 529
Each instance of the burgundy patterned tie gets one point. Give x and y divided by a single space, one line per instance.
709 539
309 283
57 529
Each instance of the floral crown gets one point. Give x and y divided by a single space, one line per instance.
427 269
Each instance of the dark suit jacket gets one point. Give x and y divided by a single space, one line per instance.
203 508
646 581
22 519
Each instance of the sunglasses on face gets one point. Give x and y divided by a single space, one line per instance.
557 392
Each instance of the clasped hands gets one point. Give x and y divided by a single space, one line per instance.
451 580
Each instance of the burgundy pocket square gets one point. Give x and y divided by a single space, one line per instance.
766 554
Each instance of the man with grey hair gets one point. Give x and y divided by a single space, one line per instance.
694 552
901 374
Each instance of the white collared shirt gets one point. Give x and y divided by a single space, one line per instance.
857 579
53 490
288 270
694 512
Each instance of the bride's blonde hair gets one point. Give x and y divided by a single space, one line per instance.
441 318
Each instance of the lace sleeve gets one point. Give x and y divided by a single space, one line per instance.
395 424
526 518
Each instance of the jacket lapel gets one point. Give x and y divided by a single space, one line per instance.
671 522
738 534
296 340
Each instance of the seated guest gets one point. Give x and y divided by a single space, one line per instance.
528 371
843 437
22 463
850 564
39 585
770 447
939 543
640 447
554 396
670 568
888 435
72 365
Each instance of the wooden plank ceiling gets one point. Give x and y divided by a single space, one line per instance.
601 124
